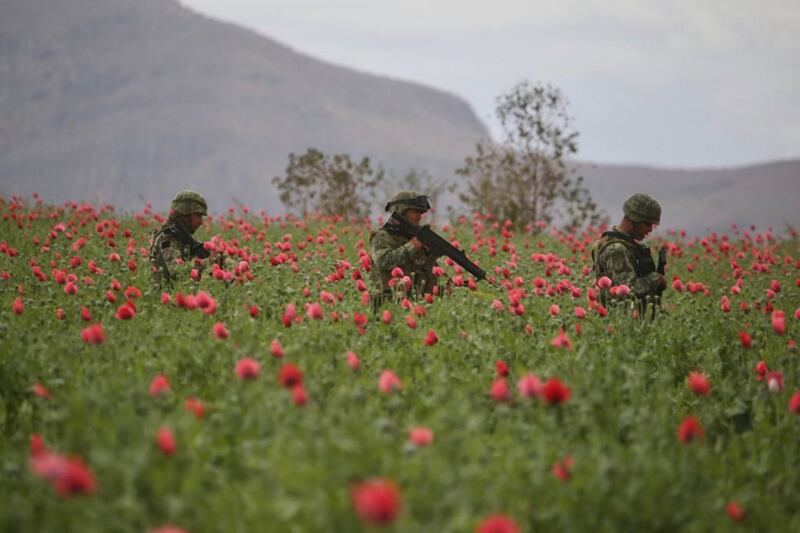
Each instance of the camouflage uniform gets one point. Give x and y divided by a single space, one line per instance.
390 250
624 260
173 242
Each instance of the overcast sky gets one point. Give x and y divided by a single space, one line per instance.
666 83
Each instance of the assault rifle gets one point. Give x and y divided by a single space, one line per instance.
435 244
662 260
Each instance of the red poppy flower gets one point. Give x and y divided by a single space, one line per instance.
125 311
500 391
247 368
779 322
220 331
299 395
745 339
698 383
388 382
314 311
290 376
276 349
794 403
17 306
377 501
563 469
555 392
690 430
93 334
195 406
774 381
501 368
352 361
561 340
159 385
166 441
497 524
41 391
735 511
420 436
430 338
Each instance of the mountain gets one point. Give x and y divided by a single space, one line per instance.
124 100
129 101
699 200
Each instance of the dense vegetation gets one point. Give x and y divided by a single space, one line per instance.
214 407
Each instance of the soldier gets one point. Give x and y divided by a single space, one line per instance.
174 241
620 256
390 250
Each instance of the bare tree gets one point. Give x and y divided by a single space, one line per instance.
330 185
525 178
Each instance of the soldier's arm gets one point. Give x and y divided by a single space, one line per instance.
651 284
385 256
620 263
168 252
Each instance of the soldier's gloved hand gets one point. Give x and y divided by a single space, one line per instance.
417 243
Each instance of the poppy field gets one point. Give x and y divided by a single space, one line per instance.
263 393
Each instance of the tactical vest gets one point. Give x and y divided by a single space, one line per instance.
190 247
643 263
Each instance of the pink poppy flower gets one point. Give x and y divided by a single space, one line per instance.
220 331
276 349
166 441
389 382
159 386
420 436
247 368
529 386
353 361
499 390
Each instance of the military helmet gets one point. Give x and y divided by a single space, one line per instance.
408 200
189 202
642 208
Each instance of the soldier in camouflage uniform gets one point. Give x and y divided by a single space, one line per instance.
173 244
390 249
620 256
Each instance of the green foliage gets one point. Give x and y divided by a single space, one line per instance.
526 178
329 185
257 462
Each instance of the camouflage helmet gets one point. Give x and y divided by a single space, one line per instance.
403 200
642 208
187 203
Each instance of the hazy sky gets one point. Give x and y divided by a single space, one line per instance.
667 83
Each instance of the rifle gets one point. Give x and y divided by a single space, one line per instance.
662 260
436 245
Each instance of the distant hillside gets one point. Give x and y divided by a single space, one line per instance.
699 200
128 101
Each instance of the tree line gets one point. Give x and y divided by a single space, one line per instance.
525 177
